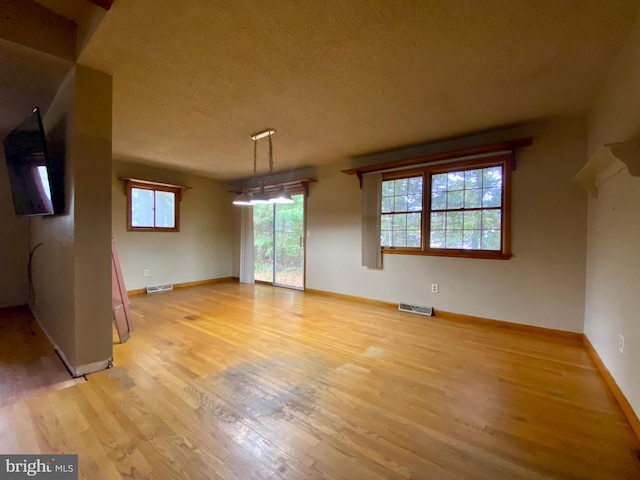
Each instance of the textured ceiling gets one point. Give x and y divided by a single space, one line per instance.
337 79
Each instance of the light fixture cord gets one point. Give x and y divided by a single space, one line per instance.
270 156
255 158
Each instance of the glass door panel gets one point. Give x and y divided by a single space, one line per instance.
289 242
278 231
263 242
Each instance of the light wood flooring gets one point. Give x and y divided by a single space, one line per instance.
28 364
254 382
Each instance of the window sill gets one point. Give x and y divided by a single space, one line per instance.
449 253
152 229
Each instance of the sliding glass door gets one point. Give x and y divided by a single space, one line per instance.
279 243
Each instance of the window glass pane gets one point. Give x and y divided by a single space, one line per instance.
400 222
491 219
413 239
472 239
400 204
455 199
165 209
455 181
473 198
414 203
438 200
413 221
454 220
385 222
401 186
385 238
437 239
387 204
491 197
492 177
437 221
399 238
472 220
387 188
454 239
473 179
141 207
415 185
491 239
439 182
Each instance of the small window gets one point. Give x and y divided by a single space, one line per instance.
463 212
153 206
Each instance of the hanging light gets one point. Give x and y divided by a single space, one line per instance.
243 199
262 197
281 196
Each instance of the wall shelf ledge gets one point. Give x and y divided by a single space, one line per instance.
626 152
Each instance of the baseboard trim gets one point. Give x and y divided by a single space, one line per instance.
353 298
92 368
13 310
459 317
613 386
74 372
211 281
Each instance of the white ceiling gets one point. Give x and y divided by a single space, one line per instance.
338 79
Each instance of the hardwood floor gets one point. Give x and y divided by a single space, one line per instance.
28 364
251 382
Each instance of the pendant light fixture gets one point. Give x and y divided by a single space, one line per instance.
262 196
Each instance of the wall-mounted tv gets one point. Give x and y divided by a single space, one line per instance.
31 174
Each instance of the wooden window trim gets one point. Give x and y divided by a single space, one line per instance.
447 157
177 190
503 159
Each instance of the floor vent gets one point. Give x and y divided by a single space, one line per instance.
159 288
405 307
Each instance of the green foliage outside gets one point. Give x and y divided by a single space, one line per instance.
289 253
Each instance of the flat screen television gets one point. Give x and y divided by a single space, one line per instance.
29 168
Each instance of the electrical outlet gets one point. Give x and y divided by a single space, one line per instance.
146 272
435 288
621 343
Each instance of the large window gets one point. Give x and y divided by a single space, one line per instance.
153 206
459 209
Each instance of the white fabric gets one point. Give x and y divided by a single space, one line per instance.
371 206
246 245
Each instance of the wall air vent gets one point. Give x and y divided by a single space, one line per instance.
405 307
159 288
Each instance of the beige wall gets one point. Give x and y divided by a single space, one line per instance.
53 265
613 258
14 249
202 250
543 284
72 269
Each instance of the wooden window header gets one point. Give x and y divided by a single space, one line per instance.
150 185
452 155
